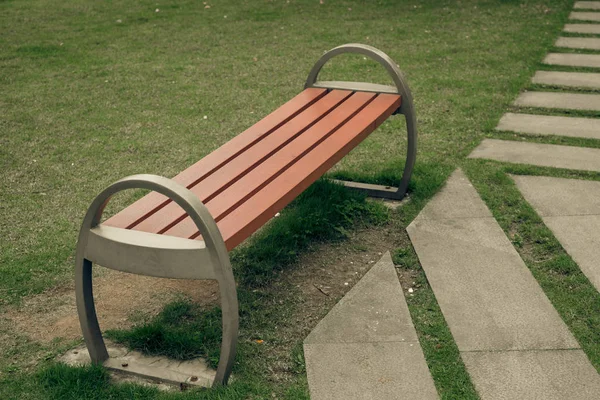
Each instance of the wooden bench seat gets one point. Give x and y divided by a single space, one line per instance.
252 177
185 227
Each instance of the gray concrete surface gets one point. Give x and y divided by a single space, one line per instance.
568 79
587 5
377 371
373 311
573 60
487 295
582 28
578 43
460 191
533 375
585 16
544 155
550 125
559 100
570 208
133 366
366 347
557 197
513 342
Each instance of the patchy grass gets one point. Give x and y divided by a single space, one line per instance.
181 331
325 211
62 382
443 358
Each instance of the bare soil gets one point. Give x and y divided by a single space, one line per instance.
119 299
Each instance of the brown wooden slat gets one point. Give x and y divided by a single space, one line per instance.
222 178
152 202
257 210
251 183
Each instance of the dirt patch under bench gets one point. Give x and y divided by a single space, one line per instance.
118 297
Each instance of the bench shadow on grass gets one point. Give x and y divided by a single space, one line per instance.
325 212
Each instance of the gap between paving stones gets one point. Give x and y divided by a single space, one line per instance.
570 208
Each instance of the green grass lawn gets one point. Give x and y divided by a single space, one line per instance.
94 91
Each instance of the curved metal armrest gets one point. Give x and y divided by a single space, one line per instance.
154 255
401 87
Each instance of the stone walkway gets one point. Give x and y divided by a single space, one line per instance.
571 209
513 342
587 5
561 101
367 346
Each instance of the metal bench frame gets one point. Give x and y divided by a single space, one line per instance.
406 109
171 257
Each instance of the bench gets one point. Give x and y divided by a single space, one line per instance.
185 226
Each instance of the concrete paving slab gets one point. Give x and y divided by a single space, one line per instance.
570 208
557 197
582 28
374 310
550 125
562 101
444 205
587 5
585 16
544 155
377 371
573 60
580 237
367 347
568 79
143 369
578 43
543 375
487 294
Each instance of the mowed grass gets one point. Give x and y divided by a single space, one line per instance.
92 92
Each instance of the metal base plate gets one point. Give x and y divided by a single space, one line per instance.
379 191
158 369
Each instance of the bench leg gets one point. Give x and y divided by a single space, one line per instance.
389 192
176 256
87 311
